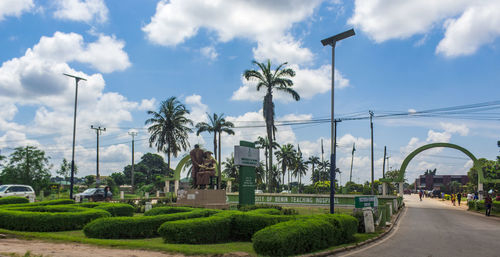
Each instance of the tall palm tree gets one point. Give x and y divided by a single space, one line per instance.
217 125
278 79
263 142
230 169
324 170
313 160
169 128
286 155
300 167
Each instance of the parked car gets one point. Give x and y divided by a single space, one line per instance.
257 191
95 194
16 190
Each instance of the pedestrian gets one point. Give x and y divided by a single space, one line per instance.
475 196
453 199
420 194
487 204
459 198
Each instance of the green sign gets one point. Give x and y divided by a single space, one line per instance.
247 173
365 201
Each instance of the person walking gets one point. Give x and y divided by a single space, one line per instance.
420 194
453 199
487 204
459 198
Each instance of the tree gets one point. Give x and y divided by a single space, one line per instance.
286 156
146 171
29 166
217 125
119 178
230 169
324 170
263 142
89 180
300 167
313 160
491 170
430 172
65 169
278 79
169 128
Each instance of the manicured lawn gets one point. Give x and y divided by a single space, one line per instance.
319 210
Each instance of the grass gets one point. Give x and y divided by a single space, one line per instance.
27 254
319 210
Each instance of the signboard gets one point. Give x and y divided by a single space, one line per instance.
365 201
246 156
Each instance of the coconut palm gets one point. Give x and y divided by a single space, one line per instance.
217 125
230 169
278 80
286 156
324 170
313 160
263 142
169 128
300 167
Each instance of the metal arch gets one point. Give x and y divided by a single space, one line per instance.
182 163
408 158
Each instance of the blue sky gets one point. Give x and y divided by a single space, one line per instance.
406 55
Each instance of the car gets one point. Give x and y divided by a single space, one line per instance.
95 194
16 190
259 191
286 192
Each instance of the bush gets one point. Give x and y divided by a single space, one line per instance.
347 224
48 218
480 206
136 227
44 203
294 237
167 210
258 206
115 209
245 224
271 211
213 229
13 200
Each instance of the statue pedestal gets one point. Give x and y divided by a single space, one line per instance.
211 199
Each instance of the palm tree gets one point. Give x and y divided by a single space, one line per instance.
313 160
278 79
300 168
324 170
263 142
169 128
217 124
286 155
230 169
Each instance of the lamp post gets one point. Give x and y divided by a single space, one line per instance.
77 79
332 41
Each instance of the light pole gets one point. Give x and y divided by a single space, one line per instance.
74 132
133 133
98 131
332 41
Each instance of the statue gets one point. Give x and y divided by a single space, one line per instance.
207 170
196 159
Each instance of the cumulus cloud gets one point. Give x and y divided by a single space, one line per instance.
14 7
477 24
81 10
209 52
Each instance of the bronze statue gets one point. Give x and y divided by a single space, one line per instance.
207 170
196 160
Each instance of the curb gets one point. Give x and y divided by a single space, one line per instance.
394 221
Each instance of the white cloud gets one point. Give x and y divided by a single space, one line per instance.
460 129
209 52
14 7
286 49
438 137
147 104
478 22
346 141
81 10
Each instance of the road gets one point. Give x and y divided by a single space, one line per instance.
433 228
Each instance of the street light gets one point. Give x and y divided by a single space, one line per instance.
74 132
332 41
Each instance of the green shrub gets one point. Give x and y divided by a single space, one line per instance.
258 206
44 203
245 224
213 229
270 211
294 237
480 206
13 200
347 224
167 210
48 218
115 209
137 227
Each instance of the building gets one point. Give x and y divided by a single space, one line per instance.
439 182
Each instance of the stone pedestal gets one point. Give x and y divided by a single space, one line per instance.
389 206
229 185
384 188
368 218
167 186
148 206
122 195
395 203
176 186
213 199
401 192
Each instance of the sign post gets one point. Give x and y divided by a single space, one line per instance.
366 201
247 156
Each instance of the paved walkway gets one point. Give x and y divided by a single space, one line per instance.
436 228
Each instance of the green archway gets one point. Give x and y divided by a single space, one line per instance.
408 158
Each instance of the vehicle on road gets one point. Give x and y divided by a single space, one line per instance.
95 194
259 191
16 190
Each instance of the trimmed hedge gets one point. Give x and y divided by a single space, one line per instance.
115 209
44 203
13 200
294 237
167 210
213 229
347 224
479 205
270 211
137 227
48 218
245 224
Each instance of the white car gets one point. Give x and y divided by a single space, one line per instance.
16 190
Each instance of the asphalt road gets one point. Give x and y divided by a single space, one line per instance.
432 228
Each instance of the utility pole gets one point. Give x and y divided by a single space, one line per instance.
322 153
98 131
133 134
383 165
77 79
371 127
388 167
352 161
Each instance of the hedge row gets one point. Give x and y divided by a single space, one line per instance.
48 218
305 235
115 209
479 205
167 210
137 227
44 203
13 200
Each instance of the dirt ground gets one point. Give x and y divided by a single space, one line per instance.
36 247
